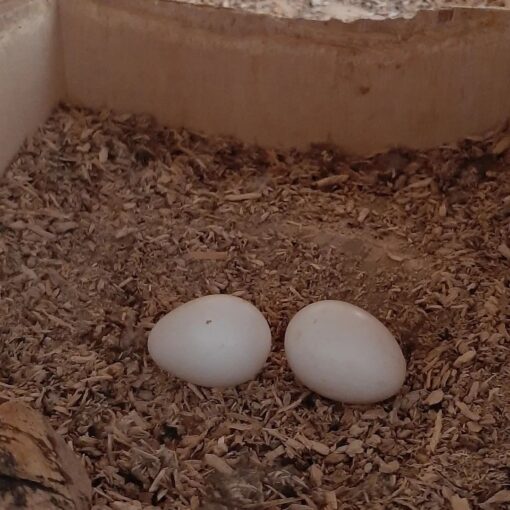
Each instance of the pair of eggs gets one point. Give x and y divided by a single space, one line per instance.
334 348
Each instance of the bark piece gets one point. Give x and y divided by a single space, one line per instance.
37 468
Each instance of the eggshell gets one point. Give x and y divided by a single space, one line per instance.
343 353
214 341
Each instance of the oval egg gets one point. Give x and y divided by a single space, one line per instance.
213 341
343 353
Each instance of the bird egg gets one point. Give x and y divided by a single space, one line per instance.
213 341
343 353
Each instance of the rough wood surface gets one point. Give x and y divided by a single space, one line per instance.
37 469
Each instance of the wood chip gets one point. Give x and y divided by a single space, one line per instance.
503 496
354 448
363 214
61 227
435 397
501 146
504 250
319 447
218 464
390 467
332 181
395 257
420 184
331 500
459 503
436 433
241 197
464 359
316 475
474 427
103 155
464 409
209 255
40 231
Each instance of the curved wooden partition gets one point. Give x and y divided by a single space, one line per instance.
366 85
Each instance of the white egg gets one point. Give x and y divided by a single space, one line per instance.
214 341
343 353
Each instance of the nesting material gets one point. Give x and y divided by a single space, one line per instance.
346 10
108 222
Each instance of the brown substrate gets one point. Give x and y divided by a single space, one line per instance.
108 222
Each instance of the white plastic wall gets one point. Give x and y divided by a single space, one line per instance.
31 79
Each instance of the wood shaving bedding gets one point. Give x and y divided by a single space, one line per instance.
347 10
108 221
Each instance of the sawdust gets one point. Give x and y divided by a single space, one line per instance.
108 222
347 10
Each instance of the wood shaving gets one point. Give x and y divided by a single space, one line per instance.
389 467
435 397
465 358
500 497
347 10
504 250
436 432
459 503
470 415
107 222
